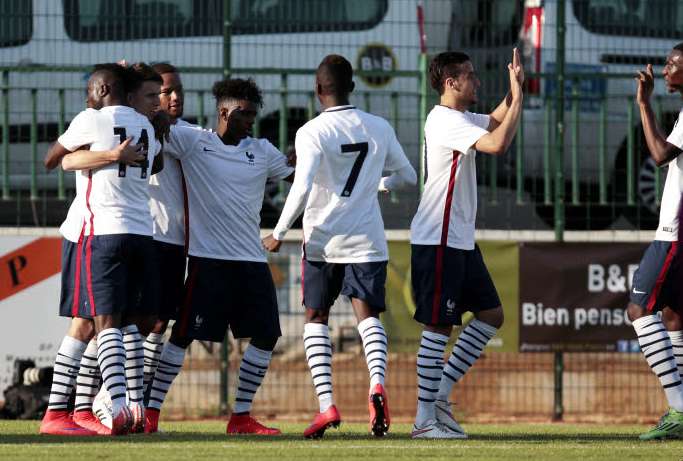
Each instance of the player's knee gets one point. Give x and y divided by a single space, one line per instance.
82 329
160 327
494 317
266 344
672 319
317 315
634 312
146 325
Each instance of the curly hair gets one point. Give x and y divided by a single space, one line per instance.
237 89
445 65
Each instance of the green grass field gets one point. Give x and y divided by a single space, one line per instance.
207 441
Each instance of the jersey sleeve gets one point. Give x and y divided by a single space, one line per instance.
181 142
461 132
308 160
396 157
676 136
82 131
277 162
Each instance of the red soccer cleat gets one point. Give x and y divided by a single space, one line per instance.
86 419
245 424
151 420
122 422
59 422
321 422
137 412
379 411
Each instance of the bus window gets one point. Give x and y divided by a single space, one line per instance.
487 23
636 18
16 22
97 20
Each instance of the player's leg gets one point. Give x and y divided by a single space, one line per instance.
436 310
673 322
201 317
648 296
479 295
106 285
57 420
364 284
88 383
321 286
253 314
171 263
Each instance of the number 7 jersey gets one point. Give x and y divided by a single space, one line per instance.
113 199
342 219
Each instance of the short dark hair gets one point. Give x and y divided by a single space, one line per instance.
140 73
679 47
237 89
335 74
116 76
165 68
445 65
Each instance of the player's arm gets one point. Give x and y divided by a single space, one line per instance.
54 155
661 151
402 172
308 162
398 179
497 141
496 117
89 160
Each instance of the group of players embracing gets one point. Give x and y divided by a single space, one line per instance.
165 225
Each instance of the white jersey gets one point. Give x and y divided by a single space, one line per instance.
225 187
112 199
671 197
340 157
448 207
167 200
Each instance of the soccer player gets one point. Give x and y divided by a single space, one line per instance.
168 211
656 284
229 282
448 273
340 158
107 254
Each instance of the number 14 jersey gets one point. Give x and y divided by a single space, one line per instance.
113 199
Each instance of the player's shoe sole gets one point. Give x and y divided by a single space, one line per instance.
379 424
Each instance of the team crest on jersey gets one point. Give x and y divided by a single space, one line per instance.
450 307
198 321
250 157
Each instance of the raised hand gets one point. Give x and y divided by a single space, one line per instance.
646 84
516 73
517 65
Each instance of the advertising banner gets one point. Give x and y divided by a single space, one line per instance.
573 296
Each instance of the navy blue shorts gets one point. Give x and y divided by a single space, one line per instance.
447 282
171 261
221 294
657 282
323 282
109 274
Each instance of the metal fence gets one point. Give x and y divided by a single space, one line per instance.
578 162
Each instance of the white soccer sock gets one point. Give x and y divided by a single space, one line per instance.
658 351
429 370
88 379
65 371
135 360
153 346
319 357
170 363
677 343
375 346
111 357
469 346
253 368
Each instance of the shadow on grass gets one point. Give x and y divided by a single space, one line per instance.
183 437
